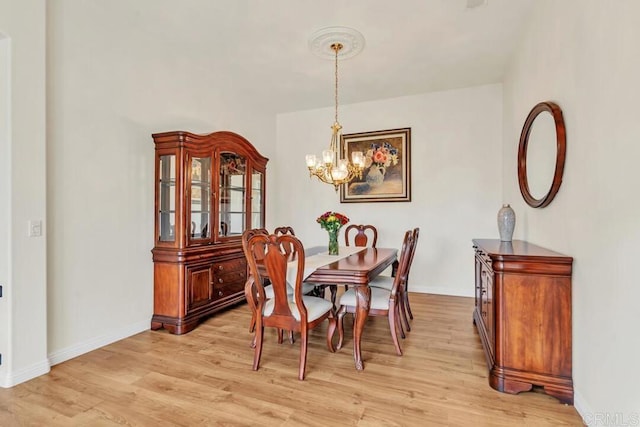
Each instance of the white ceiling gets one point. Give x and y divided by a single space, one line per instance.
258 49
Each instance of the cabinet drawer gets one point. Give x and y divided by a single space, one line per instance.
229 287
230 277
233 265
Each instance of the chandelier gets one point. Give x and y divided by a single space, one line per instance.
332 168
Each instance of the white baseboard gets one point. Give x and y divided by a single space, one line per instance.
25 374
12 378
91 344
583 408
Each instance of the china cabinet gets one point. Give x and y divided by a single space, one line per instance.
523 315
208 190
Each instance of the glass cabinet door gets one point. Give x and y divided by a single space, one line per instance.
232 194
200 202
256 199
167 198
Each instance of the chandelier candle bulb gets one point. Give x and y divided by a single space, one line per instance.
311 161
327 156
358 158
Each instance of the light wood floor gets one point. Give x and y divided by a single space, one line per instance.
205 378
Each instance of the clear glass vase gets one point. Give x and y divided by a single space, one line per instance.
333 242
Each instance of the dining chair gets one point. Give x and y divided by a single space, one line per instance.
365 235
300 313
407 307
383 302
250 289
386 282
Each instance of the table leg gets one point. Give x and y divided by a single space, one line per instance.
363 298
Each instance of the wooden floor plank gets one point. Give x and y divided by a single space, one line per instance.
205 378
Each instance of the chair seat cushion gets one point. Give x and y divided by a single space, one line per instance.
316 307
384 282
379 298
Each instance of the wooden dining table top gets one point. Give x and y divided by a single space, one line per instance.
356 269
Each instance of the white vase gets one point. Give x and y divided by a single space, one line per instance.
506 223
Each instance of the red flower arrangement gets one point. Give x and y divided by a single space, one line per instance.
332 221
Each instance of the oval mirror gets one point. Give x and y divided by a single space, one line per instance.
541 154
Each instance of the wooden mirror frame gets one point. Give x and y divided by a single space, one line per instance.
561 149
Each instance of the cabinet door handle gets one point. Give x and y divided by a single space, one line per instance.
220 281
220 267
220 293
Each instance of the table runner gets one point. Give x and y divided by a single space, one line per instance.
313 262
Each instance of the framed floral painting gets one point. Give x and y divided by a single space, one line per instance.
387 170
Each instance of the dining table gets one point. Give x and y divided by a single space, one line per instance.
356 268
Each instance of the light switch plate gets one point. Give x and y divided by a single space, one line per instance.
35 228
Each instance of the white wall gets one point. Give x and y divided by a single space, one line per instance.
584 56
5 193
456 173
114 78
23 333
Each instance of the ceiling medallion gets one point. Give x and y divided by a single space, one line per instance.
321 42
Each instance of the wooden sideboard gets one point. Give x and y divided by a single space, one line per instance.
523 316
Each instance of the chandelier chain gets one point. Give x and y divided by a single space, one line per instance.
336 48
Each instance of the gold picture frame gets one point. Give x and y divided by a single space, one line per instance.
387 173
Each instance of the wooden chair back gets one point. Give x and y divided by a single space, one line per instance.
269 249
404 261
363 235
281 231
404 297
254 287
284 230
247 234
416 233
